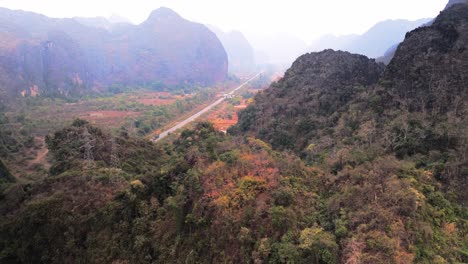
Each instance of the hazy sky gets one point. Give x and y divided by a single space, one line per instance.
306 19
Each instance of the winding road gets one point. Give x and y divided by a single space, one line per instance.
197 115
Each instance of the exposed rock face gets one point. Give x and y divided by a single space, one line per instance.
181 50
430 68
332 70
316 86
64 57
388 56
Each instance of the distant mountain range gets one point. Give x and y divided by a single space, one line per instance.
41 55
343 160
374 43
240 53
283 49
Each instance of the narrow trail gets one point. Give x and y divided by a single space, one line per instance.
41 153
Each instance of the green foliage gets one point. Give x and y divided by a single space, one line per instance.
318 246
279 217
227 194
156 197
393 153
388 185
229 157
284 197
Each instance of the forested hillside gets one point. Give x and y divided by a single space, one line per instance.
343 160
403 135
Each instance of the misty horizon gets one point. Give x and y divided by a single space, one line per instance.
305 21
212 131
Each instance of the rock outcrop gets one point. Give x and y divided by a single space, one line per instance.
430 68
428 77
315 87
41 55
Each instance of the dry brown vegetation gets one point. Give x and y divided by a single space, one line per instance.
159 98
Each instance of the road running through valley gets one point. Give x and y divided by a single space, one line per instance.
206 109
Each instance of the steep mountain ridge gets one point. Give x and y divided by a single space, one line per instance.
415 109
425 76
430 75
34 59
381 178
398 140
387 57
312 90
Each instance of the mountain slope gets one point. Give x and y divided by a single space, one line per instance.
41 55
430 75
405 134
313 91
217 195
425 76
382 177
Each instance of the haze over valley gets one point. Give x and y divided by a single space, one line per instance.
234 131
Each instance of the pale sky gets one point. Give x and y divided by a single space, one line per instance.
306 19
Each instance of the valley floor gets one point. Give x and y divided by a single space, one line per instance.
139 113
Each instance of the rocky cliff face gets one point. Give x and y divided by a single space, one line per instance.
324 92
388 56
354 119
40 55
181 51
429 70
312 90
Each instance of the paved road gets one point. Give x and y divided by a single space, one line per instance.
197 115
